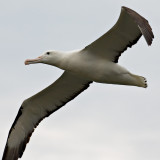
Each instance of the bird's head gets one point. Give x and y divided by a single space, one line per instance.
51 58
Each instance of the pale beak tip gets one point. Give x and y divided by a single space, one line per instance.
26 62
32 61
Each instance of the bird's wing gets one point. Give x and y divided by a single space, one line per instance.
125 33
39 106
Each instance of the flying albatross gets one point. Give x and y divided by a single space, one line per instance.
97 62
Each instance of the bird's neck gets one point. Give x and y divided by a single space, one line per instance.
60 59
67 60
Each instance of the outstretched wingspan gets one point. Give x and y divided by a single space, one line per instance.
125 33
39 106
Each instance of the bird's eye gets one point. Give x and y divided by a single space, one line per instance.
48 53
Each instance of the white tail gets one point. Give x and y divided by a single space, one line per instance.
140 81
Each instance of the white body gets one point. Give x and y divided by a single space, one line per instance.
95 68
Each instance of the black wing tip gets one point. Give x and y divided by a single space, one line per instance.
124 7
10 154
143 25
5 153
13 153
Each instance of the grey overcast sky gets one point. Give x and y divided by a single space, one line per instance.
106 122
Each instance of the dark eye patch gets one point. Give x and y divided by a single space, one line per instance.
48 53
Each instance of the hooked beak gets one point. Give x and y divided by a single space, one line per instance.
32 61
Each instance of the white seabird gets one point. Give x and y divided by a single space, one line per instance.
97 62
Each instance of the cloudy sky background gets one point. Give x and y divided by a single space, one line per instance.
106 122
